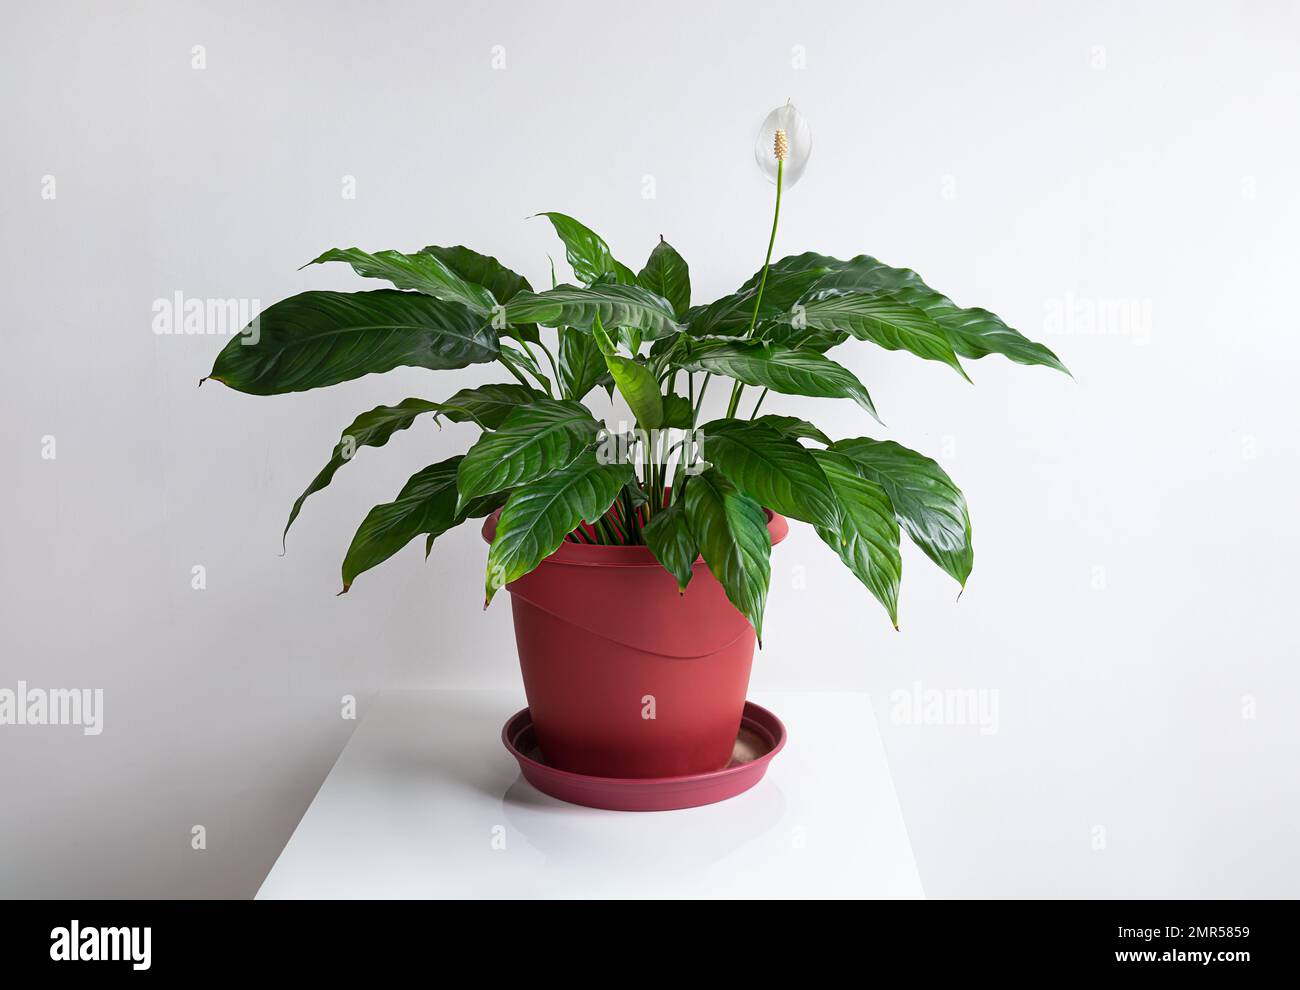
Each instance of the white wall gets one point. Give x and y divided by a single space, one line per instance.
1134 577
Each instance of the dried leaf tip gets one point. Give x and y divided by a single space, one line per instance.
781 146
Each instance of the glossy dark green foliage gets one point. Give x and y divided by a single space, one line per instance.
557 472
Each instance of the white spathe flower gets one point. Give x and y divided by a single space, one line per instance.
797 144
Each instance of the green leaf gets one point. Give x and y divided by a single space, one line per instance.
488 405
881 319
731 314
370 429
638 386
636 383
426 504
666 274
931 508
804 338
483 270
670 539
779 472
532 442
476 509
635 494
582 366
866 536
792 426
422 272
973 333
612 304
664 350
678 412
791 371
541 513
516 358
810 261
589 256
731 530
316 339
630 338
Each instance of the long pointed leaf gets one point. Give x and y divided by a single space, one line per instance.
422 272
792 371
484 270
931 508
516 358
481 269
538 515
588 254
316 339
881 319
582 366
731 530
635 382
670 539
793 426
866 534
370 429
731 315
776 470
810 261
488 405
425 505
973 333
666 274
612 304
532 442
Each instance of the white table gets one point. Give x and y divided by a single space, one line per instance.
424 802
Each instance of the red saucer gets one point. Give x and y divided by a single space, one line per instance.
760 738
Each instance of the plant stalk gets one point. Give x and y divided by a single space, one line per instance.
514 371
555 368
739 388
699 403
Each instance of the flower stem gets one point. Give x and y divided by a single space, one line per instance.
739 387
776 216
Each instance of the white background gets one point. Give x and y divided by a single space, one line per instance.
1134 586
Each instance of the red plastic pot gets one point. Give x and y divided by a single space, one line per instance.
625 677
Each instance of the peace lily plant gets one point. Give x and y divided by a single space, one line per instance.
680 487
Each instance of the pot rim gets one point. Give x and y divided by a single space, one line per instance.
596 555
